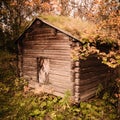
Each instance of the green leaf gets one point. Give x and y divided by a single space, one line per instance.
88 106
55 100
43 104
35 112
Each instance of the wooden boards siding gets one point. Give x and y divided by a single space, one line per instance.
92 73
76 71
29 68
44 41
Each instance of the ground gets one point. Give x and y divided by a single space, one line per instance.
17 103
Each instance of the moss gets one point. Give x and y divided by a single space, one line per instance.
75 26
78 28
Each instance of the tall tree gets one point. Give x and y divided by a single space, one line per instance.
15 14
108 17
108 20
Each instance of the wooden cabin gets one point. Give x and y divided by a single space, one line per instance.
44 59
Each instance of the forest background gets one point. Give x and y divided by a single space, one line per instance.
15 15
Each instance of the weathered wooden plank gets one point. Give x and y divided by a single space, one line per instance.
58 35
60 62
45 30
62 89
93 69
59 78
57 51
36 38
31 68
46 52
92 79
43 41
48 47
87 96
61 67
34 73
29 61
92 74
51 37
29 58
29 64
62 73
38 33
45 26
62 35
89 91
89 86
64 85
49 56
59 81
55 60
32 65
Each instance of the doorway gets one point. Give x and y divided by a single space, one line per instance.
43 70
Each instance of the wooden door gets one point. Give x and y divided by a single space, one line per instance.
43 70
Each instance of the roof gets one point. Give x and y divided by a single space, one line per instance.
70 26
23 34
83 31
75 26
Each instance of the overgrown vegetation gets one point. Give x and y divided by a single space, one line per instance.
92 41
74 26
17 104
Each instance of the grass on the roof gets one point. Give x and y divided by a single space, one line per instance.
75 26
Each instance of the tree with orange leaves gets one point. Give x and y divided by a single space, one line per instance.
15 14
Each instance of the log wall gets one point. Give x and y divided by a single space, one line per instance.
43 41
92 73
79 77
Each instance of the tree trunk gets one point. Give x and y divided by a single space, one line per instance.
118 80
119 85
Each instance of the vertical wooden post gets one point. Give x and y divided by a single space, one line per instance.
76 73
77 80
